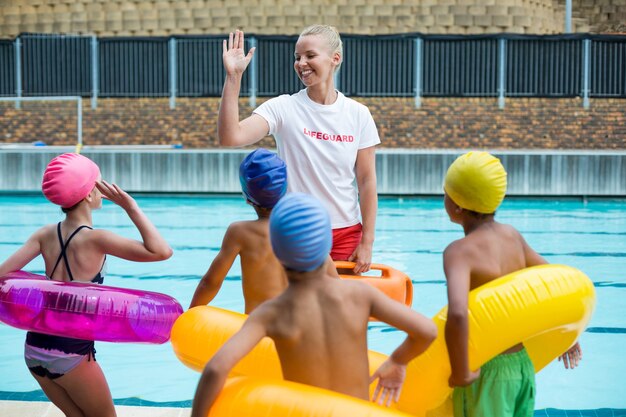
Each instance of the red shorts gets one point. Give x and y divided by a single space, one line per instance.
345 241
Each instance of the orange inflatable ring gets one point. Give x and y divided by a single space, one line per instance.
264 397
395 284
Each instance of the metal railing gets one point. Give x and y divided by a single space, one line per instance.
407 65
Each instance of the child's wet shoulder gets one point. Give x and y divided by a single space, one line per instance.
239 228
509 231
457 246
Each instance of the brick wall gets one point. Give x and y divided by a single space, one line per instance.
439 123
602 16
166 17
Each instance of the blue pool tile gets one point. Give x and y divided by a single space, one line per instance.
552 412
614 330
600 412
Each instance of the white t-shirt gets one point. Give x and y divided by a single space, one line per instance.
319 144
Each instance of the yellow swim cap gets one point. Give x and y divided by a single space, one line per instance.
476 181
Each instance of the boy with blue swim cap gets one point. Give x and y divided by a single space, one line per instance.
263 177
475 186
319 323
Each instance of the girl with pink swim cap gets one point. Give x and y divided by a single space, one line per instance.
65 368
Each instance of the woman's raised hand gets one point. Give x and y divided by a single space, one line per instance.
235 60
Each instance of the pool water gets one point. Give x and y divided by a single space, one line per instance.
411 235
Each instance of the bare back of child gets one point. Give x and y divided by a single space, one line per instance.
263 177
319 326
490 251
319 323
262 276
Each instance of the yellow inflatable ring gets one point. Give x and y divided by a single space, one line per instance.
395 284
546 307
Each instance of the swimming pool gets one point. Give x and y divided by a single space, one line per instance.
411 235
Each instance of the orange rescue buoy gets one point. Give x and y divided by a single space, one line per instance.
395 284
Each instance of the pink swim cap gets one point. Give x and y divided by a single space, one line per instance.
69 178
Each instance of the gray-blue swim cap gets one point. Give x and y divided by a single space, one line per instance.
263 178
300 232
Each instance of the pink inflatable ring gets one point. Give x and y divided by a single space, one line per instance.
86 311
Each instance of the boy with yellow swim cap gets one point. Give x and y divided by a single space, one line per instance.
475 185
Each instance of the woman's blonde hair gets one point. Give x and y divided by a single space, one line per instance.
331 35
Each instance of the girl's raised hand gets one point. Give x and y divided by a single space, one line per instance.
116 195
235 60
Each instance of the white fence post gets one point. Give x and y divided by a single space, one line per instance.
18 71
419 43
173 63
253 75
94 72
502 72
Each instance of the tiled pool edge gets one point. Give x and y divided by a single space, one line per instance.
6 398
47 409
599 412
38 395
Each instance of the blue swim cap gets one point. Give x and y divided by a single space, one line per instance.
300 232
263 177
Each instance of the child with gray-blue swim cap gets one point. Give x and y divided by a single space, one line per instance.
319 323
263 177
300 233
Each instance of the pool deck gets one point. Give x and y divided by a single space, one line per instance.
46 409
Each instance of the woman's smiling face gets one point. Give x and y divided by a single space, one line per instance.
313 60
